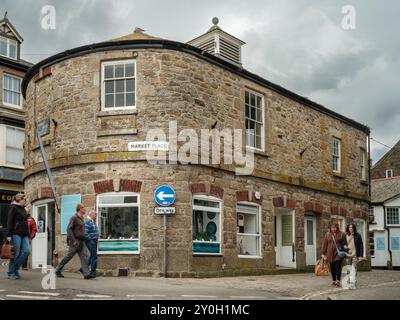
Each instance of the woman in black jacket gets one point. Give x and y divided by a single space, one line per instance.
18 233
354 246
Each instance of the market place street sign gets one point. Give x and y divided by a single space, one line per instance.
148 146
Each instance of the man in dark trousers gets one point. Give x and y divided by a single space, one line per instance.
76 242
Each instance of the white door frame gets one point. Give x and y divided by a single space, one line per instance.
34 213
313 218
278 249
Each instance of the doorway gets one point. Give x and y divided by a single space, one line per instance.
310 236
285 236
43 244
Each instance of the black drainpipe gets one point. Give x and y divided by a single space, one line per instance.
388 230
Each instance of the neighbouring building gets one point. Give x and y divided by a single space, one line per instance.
12 118
311 163
385 211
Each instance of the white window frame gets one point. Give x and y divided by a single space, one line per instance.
337 156
210 209
341 220
19 106
8 40
363 167
10 164
386 217
98 206
110 63
257 94
259 236
389 175
363 233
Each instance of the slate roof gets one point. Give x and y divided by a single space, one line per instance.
384 189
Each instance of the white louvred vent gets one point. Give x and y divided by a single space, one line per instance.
220 43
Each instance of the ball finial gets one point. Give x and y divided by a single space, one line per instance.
215 21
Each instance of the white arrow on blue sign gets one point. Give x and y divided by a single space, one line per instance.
164 196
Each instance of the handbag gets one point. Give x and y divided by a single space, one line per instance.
7 250
321 268
339 253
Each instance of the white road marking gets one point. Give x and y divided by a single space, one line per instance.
41 293
247 297
145 295
26 297
197 296
92 296
2 290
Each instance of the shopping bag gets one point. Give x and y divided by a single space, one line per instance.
321 268
7 250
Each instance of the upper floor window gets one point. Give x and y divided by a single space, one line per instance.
254 105
363 174
389 173
12 91
8 48
392 216
118 85
336 155
14 146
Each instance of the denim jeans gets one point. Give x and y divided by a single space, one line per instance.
21 253
92 246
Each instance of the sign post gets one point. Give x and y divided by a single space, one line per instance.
164 196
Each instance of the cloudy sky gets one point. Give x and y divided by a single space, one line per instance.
299 44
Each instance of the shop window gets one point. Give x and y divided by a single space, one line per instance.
12 91
248 230
119 85
14 146
118 220
206 225
254 105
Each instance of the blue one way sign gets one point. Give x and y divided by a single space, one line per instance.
164 196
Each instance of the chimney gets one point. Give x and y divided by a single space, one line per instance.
220 43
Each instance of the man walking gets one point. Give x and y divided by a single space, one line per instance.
75 241
92 236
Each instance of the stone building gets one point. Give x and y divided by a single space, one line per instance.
12 118
389 165
310 163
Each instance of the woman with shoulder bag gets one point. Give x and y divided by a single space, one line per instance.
333 252
18 233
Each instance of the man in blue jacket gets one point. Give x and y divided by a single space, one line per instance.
91 238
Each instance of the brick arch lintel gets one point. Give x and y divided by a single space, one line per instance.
312 206
208 189
117 185
284 202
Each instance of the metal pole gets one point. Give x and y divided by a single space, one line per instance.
46 164
165 245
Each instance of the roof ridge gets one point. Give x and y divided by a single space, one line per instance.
386 154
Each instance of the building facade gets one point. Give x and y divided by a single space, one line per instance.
12 118
385 211
309 162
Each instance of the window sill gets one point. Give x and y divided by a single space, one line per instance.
241 256
112 113
118 253
259 152
12 107
118 132
207 255
338 175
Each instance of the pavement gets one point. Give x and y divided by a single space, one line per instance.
376 285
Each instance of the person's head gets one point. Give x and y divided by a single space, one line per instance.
334 227
93 215
351 229
80 209
20 199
